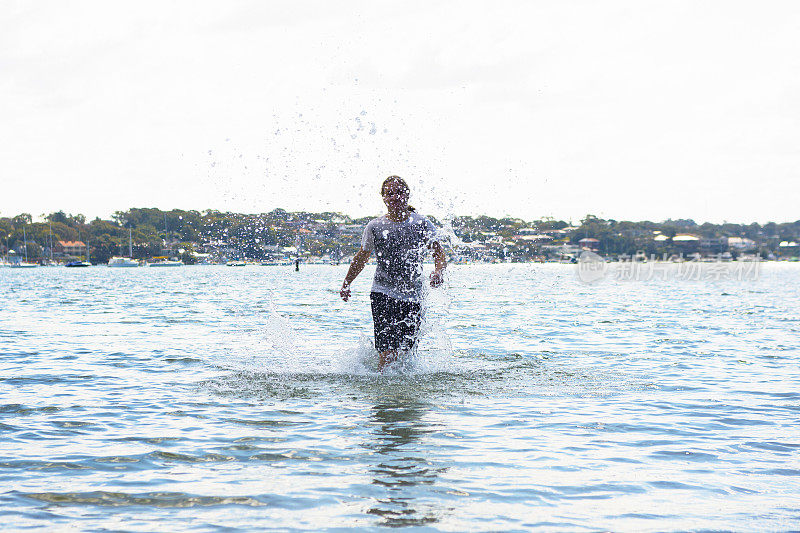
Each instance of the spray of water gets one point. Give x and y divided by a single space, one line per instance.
341 157
275 346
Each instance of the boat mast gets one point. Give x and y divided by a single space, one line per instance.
50 223
130 243
25 242
166 232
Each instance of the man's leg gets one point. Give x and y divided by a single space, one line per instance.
386 358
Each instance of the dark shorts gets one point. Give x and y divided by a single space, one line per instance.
396 322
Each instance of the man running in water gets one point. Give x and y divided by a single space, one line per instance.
400 240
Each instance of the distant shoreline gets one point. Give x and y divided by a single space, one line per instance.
151 235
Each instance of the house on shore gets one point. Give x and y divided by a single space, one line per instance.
686 242
532 238
69 248
741 244
789 249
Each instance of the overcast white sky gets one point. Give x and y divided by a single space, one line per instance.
624 109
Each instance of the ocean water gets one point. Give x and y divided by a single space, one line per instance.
236 399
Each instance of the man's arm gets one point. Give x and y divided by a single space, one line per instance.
359 260
437 276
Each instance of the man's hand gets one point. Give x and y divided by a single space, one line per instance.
437 278
345 292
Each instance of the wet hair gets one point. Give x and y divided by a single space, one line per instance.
400 181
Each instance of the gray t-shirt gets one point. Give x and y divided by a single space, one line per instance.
399 248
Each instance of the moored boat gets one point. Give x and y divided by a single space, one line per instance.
119 262
167 263
122 262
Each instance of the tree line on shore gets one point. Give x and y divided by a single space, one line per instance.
155 232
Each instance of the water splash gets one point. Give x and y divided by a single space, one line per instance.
434 350
270 344
362 359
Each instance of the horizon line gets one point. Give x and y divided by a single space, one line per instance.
41 216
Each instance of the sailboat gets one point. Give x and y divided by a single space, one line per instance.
51 262
166 262
121 262
24 264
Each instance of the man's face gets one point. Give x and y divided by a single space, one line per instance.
395 195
